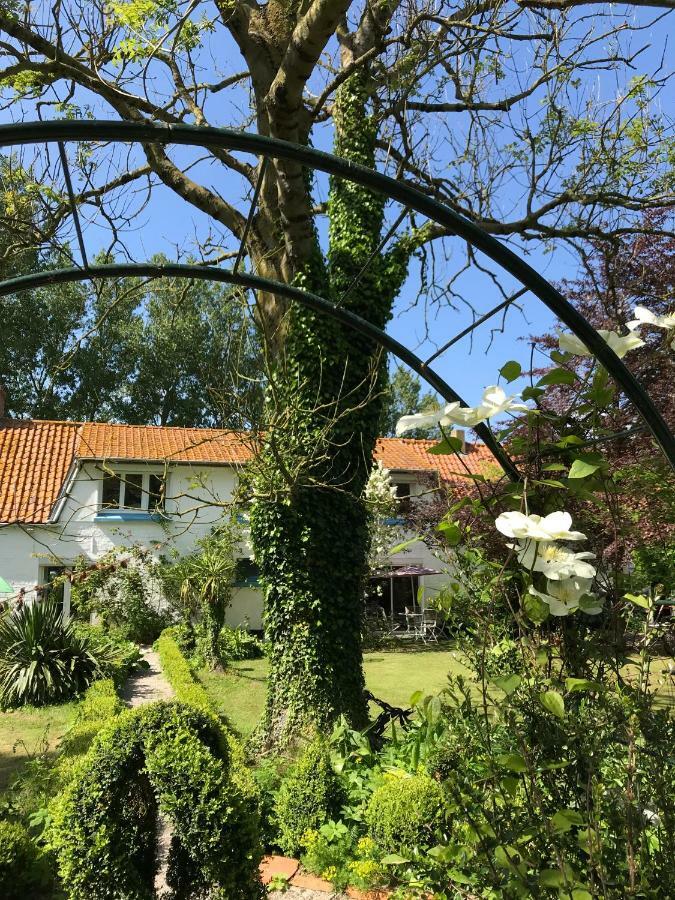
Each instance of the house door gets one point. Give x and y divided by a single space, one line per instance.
48 575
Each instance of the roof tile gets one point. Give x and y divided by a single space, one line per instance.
35 457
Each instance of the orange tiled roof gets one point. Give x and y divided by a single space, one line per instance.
35 457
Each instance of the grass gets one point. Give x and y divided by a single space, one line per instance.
27 731
239 692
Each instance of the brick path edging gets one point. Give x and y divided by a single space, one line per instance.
290 870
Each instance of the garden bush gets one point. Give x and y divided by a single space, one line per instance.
42 659
165 756
309 796
238 643
405 813
117 657
126 590
24 872
189 690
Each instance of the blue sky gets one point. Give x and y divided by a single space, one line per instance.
167 223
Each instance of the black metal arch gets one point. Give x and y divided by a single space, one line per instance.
191 135
255 282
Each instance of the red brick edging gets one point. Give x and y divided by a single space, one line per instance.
290 870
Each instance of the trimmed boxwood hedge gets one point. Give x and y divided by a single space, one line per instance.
189 690
165 756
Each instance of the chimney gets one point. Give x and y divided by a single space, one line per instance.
3 400
461 434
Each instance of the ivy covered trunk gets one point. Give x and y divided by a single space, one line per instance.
310 536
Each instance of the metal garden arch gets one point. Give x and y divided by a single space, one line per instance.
408 196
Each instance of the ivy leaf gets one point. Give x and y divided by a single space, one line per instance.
448 445
553 702
510 370
557 376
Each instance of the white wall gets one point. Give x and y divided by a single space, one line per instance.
193 493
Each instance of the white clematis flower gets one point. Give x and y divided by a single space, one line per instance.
620 345
564 597
556 562
644 316
425 420
554 527
494 402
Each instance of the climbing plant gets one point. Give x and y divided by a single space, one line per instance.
311 536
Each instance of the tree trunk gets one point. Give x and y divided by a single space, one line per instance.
310 535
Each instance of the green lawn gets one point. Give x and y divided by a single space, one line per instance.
239 693
27 731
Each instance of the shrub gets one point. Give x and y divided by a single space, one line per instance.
42 660
189 690
165 756
117 657
405 813
126 590
23 869
238 643
309 796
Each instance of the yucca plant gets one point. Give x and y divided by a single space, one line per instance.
42 660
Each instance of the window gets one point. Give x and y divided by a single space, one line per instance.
142 491
403 498
247 573
133 492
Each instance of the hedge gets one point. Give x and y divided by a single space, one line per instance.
166 756
188 690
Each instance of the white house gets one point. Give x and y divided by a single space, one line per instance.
71 489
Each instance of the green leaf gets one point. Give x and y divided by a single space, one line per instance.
554 467
552 878
393 859
511 370
532 393
400 547
507 683
451 531
574 685
565 819
553 702
535 609
449 444
514 762
638 600
581 894
582 469
557 376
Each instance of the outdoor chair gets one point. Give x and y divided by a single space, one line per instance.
430 625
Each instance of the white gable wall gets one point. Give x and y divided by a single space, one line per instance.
195 495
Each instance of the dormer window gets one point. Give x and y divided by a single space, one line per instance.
143 491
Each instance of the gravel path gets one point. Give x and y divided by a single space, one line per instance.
144 687
148 684
302 894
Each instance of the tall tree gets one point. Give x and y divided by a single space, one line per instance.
487 106
156 352
405 395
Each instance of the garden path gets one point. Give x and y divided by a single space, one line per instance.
146 686
149 684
